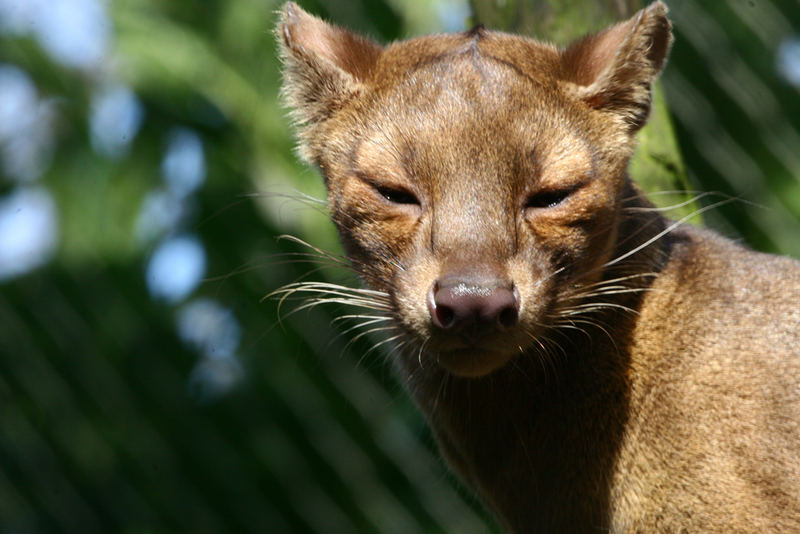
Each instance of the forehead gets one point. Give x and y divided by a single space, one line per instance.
469 104
462 87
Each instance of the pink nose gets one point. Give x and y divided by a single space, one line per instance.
458 303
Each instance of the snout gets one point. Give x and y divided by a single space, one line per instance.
471 317
471 307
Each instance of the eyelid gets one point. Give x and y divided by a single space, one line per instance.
397 195
549 198
391 192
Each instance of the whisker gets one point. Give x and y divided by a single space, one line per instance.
311 287
366 333
325 288
621 279
371 331
669 229
572 322
358 316
400 346
312 303
295 194
364 324
612 290
320 252
419 352
380 344
361 303
673 206
545 355
294 258
593 306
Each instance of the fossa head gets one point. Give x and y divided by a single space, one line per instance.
475 178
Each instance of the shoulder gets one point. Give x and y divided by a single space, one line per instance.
716 295
704 257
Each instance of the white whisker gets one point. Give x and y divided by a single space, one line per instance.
381 343
692 200
365 324
358 316
667 230
592 306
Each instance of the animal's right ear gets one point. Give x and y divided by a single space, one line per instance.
324 67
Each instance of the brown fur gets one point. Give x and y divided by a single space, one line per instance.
651 380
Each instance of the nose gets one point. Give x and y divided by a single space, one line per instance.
464 303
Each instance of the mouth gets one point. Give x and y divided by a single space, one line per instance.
472 362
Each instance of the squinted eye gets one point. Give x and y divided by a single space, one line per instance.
397 196
547 199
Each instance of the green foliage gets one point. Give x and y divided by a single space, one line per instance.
106 422
556 21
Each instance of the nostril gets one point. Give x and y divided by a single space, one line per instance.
441 315
503 307
506 307
445 316
508 317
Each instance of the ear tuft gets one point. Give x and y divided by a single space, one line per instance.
324 67
614 70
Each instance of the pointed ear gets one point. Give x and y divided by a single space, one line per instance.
614 70
323 67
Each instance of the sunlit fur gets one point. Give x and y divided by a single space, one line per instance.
649 380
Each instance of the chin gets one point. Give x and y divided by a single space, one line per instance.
472 362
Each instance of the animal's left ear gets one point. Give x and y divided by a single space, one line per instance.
614 70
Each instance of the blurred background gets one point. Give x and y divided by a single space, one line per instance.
146 170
